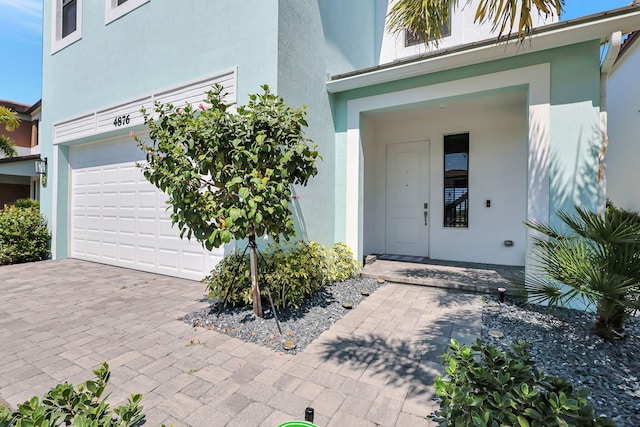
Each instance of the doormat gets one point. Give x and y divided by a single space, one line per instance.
403 258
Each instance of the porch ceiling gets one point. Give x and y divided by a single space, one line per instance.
459 107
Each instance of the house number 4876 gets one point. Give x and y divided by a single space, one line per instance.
121 120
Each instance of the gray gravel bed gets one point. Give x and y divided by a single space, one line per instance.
563 344
302 325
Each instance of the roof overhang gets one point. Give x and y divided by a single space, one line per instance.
19 166
592 27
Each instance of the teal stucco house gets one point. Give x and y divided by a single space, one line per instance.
441 153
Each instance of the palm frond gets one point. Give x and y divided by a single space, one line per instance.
424 19
8 118
596 261
6 147
502 14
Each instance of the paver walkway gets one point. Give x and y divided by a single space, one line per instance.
60 319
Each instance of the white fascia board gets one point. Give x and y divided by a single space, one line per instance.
544 40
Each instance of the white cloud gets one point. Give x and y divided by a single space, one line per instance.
21 18
32 8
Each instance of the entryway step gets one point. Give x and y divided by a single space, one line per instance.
480 278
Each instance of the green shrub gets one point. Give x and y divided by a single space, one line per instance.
342 265
230 280
487 387
290 273
293 273
26 203
65 405
24 235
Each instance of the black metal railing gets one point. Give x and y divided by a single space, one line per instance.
456 212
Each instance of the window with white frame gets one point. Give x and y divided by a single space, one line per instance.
66 23
411 39
114 9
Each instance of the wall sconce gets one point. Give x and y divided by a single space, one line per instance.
41 169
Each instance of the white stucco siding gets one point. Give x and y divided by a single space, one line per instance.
497 127
623 154
463 30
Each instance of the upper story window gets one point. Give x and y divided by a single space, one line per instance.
66 23
411 40
114 9
69 17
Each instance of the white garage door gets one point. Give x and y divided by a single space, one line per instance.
119 218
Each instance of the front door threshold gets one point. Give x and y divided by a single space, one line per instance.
467 277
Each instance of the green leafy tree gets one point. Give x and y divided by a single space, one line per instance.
596 261
426 19
9 120
229 175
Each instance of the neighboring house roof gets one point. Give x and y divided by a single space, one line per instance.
626 45
590 27
19 107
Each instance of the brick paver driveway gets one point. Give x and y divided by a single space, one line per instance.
60 319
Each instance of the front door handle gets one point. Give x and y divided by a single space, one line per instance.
426 217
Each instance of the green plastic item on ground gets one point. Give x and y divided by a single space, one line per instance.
297 424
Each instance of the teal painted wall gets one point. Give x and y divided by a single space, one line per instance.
574 122
159 45
317 39
575 129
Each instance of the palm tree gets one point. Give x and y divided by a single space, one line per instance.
10 121
427 18
597 262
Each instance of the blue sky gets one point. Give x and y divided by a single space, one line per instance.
21 43
20 50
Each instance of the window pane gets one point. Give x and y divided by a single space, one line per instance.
121 1
411 39
69 15
456 180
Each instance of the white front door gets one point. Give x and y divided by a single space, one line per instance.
407 198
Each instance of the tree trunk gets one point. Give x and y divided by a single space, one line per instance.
255 288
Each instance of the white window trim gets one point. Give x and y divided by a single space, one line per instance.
112 11
57 42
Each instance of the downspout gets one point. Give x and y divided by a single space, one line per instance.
615 41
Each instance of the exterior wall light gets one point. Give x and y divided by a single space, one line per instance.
41 169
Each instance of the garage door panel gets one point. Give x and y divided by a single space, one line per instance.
93 247
110 251
109 199
119 218
146 255
166 229
94 178
147 227
94 199
128 199
126 254
168 259
93 223
147 200
192 261
128 175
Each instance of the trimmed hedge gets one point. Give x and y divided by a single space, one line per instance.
24 236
